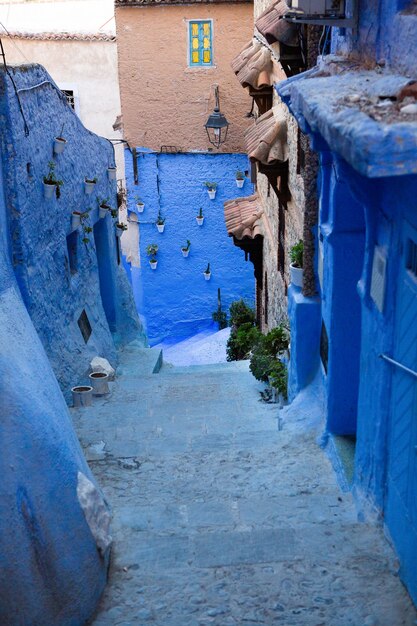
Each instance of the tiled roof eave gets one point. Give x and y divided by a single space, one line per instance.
141 3
49 36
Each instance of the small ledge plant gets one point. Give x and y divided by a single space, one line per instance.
139 204
297 263
120 229
240 179
211 189
186 249
103 207
89 184
160 223
51 183
200 217
207 272
152 251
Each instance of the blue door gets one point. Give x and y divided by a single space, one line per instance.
401 502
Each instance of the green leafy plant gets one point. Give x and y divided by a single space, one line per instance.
138 200
152 251
220 317
187 246
210 186
241 313
278 378
121 226
200 213
240 175
160 220
113 213
51 179
103 202
241 342
297 253
85 226
207 270
90 180
265 359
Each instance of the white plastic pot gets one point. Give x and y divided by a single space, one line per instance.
102 211
89 187
200 220
240 182
185 252
140 206
59 145
111 173
160 227
296 276
48 190
75 220
207 276
211 193
99 382
82 396
153 264
119 231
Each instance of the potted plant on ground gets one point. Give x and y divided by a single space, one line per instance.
152 251
120 229
296 267
59 142
207 272
51 184
240 179
103 207
160 223
111 172
211 189
139 204
89 184
200 217
186 249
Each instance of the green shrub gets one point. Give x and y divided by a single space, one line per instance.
276 340
241 342
297 254
261 363
279 378
264 359
220 317
241 313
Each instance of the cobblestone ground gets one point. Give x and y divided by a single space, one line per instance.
222 519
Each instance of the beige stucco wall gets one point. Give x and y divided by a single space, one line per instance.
165 102
87 67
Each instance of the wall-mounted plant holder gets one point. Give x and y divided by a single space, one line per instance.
200 217
89 185
186 249
240 182
211 189
103 210
111 173
153 264
160 227
59 145
99 383
48 190
120 229
75 220
82 396
211 193
207 272
140 206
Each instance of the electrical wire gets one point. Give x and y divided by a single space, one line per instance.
3 54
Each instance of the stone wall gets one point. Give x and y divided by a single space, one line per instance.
175 300
153 60
55 289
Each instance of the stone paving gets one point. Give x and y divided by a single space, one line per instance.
226 515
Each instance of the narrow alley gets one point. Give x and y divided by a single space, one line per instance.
225 513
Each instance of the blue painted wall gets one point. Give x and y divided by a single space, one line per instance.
51 571
175 300
55 297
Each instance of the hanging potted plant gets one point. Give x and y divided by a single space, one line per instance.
200 217
160 223
89 184
211 189
111 172
240 179
51 184
59 142
139 204
186 249
207 272
120 229
76 218
103 207
296 267
152 251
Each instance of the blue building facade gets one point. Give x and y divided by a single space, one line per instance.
175 301
362 329
62 301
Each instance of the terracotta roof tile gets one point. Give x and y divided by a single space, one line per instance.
243 217
266 140
271 25
44 36
254 67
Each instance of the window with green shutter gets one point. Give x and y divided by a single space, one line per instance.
201 43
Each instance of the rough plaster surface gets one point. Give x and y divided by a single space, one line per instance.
53 295
175 299
220 518
152 45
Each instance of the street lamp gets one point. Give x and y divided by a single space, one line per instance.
217 124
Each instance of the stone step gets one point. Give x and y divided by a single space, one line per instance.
138 361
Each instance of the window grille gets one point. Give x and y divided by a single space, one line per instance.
69 94
201 45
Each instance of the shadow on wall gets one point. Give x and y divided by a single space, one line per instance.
175 299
